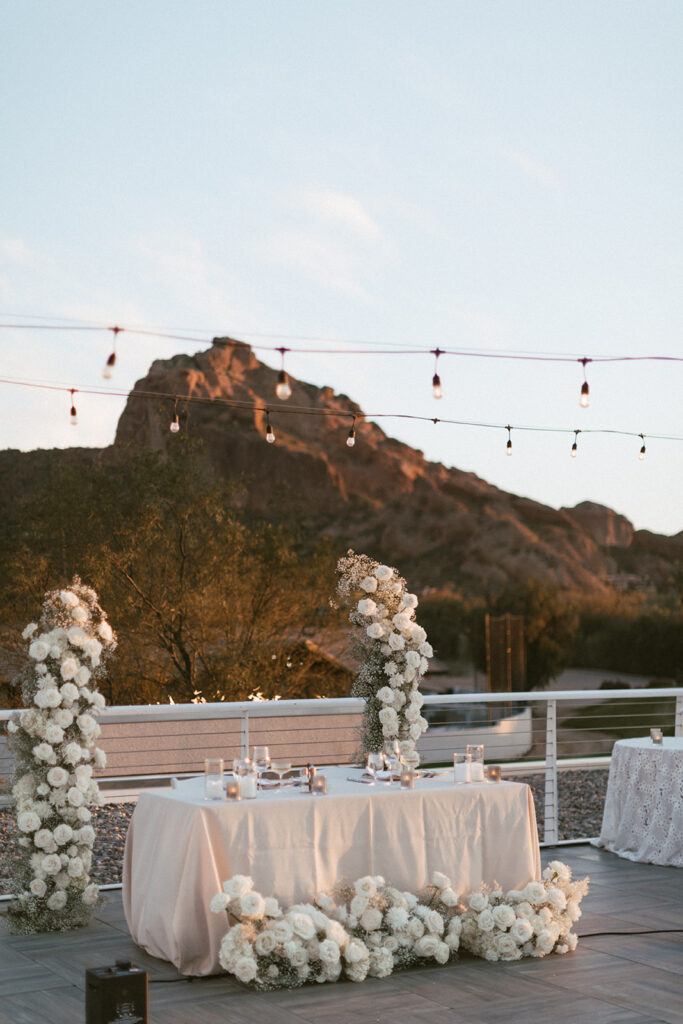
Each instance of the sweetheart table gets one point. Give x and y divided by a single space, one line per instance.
181 848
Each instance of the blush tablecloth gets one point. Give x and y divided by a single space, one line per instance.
180 849
643 815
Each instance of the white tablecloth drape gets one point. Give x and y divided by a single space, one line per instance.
643 815
180 849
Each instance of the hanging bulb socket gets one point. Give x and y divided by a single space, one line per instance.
283 388
351 439
270 435
641 453
437 390
111 361
575 446
73 415
584 399
175 422
508 446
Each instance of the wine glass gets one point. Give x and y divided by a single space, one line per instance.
392 756
375 763
411 758
281 767
262 758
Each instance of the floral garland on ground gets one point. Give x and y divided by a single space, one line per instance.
371 929
393 648
52 741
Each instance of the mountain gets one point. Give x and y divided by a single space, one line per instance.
439 525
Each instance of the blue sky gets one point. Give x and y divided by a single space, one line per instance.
492 176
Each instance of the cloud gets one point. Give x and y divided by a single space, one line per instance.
532 169
325 261
340 209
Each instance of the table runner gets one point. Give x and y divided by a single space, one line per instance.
181 848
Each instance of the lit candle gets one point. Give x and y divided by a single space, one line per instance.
319 785
493 772
656 735
232 789
408 778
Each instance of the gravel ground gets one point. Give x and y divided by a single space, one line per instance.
582 795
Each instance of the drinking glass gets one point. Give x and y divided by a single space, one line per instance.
213 778
280 766
248 776
262 758
411 759
375 763
461 767
476 752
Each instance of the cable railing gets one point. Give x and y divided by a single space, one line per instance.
560 742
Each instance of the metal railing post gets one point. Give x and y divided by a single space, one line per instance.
550 805
678 721
244 734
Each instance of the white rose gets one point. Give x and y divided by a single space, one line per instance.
69 668
449 897
371 919
51 864
374 631
105 631
417 633
28 821
83 676
545 941
79 614
86 835
401 620
75 797
38 887
87 724
478 901
504 916
83 814
57 901
412 713
367 606
44 752
38 650
63 717
75 868
415 730
58 776
265 943
556 898
485 921
385 694
90 894
440 881
521 931
252 905
427 945
434 922
413 659
100 758
369 585
63 834
69 693
54 733
389 720
29 630
409 601
396 642
534 892
68 599
426 650
302 925
72 753
282 930
12 726
356 952
245 969
93 648
76 636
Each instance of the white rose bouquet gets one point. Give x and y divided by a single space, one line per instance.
393 648
53 744
370 929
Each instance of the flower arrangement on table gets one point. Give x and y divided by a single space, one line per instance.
53 743
370 929
394 652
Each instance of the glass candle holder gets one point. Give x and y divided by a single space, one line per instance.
319 785
476 752
232 789
213 778
656 735
407 777
493 772
461 767
248 779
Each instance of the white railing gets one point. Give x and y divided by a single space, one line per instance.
531 733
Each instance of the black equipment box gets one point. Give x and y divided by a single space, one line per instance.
116 995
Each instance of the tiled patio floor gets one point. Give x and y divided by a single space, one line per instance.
608 980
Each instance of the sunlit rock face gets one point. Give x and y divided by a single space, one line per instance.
606 527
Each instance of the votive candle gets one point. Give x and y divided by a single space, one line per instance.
232 789
319 785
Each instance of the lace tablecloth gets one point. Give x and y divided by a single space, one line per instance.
643 816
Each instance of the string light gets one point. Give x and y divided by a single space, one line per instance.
575 446
283 388
508 446
437 391
351 439
111 361
270 434
584 400
641 453
175 422
73 414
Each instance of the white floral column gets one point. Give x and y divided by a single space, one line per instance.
53 743
394 651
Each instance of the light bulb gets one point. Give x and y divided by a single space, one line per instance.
641 454
351 439
175 425
584 401
575 448
509 447
270 436
109 366
436 386
282 389
74 416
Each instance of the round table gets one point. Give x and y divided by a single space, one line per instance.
643 815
